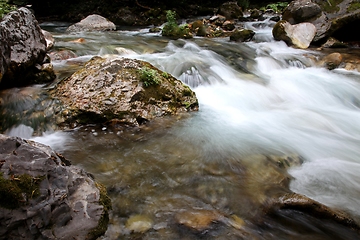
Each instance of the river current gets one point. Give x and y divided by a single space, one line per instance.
260 98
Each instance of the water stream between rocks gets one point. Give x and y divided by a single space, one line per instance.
204 175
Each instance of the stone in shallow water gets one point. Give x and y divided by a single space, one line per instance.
92 23
198 220
113 89
139 223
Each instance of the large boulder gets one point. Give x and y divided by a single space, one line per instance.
331 18
230 10
42 196
22 34
298 35
124 90
4 52
92 22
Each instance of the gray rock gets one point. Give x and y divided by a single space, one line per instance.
124 90
230 10
328 17
50 41
56 200
4 52
299 35
22 33
92 23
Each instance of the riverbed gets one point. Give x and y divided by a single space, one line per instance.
212 174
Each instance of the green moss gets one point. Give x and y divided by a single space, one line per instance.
276 7
5 8
105 201
165 75
330 6
244 4
149 76
353 6
18 190
173 30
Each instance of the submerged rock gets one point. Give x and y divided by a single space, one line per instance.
301 203
349 61
198 220
123 90
21 32
92 23
299 35
42 196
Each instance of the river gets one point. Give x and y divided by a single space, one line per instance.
257 99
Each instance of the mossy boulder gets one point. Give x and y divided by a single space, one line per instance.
127 91
243 35
43 196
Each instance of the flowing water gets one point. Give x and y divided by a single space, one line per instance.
204 175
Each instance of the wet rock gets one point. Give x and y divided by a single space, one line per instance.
217 20
256 14
332 61
61 55
139 223
92 23
228 25
243 35
126 91
298 202
286 161
230 10
299 35
199 28
51 199
346 60
334 43
155 30
198 220
27 48
50 41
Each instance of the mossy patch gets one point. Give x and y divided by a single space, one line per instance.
330 6
105 201
18 190
5 8
149 76
353 6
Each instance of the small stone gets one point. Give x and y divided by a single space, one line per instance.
236 222
139 223
198 220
